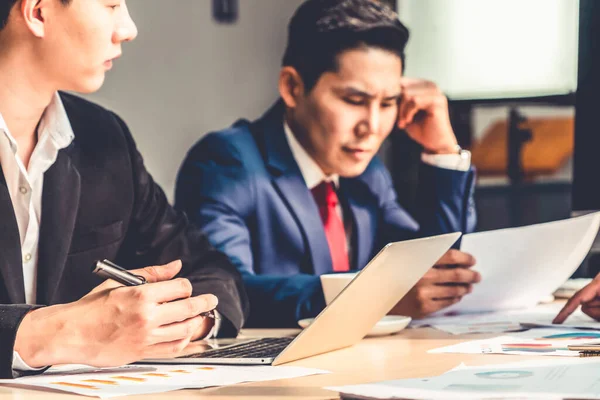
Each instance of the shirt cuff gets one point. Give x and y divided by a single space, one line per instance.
456 162
20 365
216 327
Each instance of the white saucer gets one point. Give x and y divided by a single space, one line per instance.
386 326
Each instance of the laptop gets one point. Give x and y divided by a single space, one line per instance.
344 322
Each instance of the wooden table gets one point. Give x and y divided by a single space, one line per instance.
374 359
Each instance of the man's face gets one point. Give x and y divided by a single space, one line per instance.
344 119
81 40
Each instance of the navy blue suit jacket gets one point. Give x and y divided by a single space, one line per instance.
243 187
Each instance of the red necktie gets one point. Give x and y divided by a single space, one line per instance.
327 201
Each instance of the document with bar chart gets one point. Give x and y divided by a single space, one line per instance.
535 342
130 380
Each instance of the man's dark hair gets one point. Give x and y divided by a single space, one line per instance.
7 5
321 30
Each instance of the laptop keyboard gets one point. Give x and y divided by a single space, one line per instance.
259 348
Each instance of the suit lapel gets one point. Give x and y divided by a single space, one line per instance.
301 203
288 180
11 265
60 203
363 228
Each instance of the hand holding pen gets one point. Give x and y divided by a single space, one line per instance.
109 270
115 325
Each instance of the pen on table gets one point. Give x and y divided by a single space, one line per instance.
109 270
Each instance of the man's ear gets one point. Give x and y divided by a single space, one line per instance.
291 86
32 12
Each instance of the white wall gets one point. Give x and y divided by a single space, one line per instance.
186 75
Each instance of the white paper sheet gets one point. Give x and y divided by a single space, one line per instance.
507 321
480 327
520 266
535 342
573 379
156 378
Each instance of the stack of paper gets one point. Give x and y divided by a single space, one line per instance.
572 379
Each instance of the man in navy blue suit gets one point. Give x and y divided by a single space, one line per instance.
300 192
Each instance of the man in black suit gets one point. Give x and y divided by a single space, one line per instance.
73 190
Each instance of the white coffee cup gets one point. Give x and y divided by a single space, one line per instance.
333 284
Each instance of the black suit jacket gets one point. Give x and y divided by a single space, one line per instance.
99 202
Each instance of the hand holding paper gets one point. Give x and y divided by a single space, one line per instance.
442 286
519 266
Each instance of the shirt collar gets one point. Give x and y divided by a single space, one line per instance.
4 129
55 123
311 172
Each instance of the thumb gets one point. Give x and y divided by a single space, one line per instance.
159 273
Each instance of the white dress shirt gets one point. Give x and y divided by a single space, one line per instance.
313 174
25 187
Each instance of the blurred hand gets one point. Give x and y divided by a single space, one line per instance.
589 300
115 325
443 285
423 114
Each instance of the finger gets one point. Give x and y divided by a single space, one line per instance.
159 273
166 349
592 311
592 303
431 277
441 304
568 309
457 257
421 88
162 292
456 275
449 292
422 92
417 103
181 310
205 328
408 102
585 295
152 274
178 330
411 83
411 109
590 292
